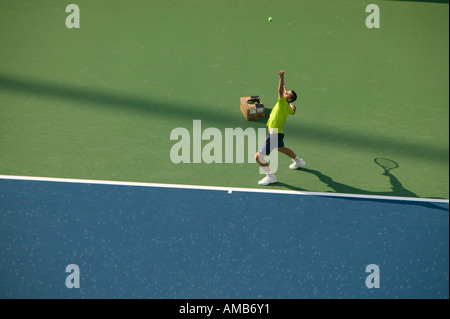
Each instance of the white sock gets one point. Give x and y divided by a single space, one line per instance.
297 159
266 170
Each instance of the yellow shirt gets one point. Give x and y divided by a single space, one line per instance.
279 113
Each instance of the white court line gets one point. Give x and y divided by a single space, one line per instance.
219 188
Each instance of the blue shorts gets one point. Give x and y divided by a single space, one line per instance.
277 141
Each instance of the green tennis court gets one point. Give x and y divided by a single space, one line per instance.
100 101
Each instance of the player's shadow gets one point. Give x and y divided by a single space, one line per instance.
397 188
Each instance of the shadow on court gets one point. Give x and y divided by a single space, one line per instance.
319 134
397 188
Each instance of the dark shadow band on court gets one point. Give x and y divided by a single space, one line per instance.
320 134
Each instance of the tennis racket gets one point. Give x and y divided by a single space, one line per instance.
386 164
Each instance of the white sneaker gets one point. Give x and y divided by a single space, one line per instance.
269 179
297 164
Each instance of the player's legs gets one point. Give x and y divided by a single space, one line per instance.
269 178
287 151
263 151
298 162
260 160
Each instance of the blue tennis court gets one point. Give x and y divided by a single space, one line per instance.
144 241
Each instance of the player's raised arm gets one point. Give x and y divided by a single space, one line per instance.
281 85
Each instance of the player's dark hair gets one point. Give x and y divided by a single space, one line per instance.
294 96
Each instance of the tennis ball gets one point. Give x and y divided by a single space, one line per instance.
270 19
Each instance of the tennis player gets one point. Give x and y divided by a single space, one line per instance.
277 118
